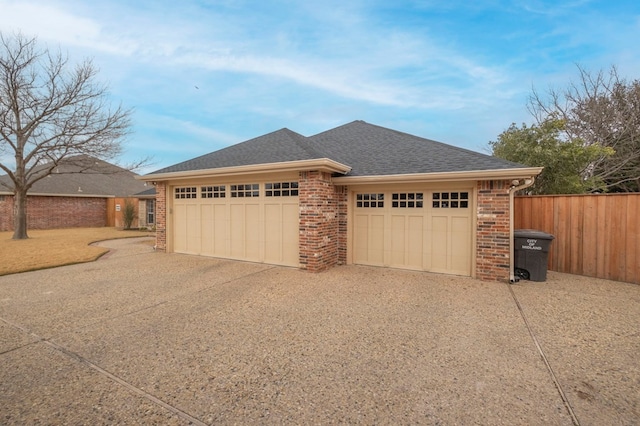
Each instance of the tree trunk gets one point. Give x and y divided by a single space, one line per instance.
20 215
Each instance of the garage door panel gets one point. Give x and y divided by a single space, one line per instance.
398 242
290 234
439 243
273 233
376 240
253 235
221 229
460 237
415 246
180 224
237 231
193 229
207 230
371 238
361 243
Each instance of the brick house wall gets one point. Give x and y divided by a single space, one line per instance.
319 223
161 216
492 242
6 213
343 204
56 212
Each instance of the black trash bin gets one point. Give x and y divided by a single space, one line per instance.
531 254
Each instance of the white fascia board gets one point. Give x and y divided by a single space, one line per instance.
441 177
323 164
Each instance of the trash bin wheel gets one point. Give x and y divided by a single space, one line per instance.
522 273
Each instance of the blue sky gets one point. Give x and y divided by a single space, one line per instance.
204 74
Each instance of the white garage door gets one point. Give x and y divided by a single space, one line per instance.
426 230
256 221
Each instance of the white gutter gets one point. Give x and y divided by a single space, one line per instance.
516 186
439 177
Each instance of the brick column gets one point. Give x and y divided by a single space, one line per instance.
342 198
318 221
161 216
492 242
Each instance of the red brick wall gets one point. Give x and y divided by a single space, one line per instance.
161 216
492 243
318 221
57 212
343 205
6 212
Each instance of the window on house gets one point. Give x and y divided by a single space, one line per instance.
370 200
151 212
281 189
407 200
186 192
450 200
218 191
245 190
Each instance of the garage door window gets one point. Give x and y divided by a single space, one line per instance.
213 191
450 200
409 200
246 190
186 192
370 200
281 189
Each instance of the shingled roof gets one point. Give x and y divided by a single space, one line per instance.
275 147
83 176
368 149
372 150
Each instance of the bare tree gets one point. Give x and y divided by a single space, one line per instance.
50 111
599 109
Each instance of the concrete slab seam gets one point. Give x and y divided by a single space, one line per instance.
78 358
556 382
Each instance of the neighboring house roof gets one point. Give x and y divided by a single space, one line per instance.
148 193
367 149
83 176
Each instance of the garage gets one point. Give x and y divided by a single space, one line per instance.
255 221
414 228
355 194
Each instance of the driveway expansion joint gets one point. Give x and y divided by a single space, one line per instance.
84 361
555 380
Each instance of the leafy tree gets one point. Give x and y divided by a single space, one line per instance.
50 111
564 161
600 109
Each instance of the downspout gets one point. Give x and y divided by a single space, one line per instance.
515 186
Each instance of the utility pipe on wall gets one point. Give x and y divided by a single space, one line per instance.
516 185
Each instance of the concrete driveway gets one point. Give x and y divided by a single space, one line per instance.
140 337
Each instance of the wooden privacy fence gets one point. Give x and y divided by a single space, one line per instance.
595 235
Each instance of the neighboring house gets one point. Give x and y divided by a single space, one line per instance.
81 192
356 194
146 208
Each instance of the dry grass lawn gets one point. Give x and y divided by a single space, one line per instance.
56 247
